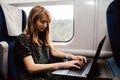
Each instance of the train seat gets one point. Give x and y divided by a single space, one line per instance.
10 40
113 25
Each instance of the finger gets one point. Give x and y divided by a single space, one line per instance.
76 66
81 59
85 59
80 64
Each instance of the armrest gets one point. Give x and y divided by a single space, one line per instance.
117 78
4 58
114 66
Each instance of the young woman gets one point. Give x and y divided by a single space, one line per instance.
34 49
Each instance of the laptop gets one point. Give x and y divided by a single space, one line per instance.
87 68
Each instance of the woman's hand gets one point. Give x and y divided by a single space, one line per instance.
83 59
72 64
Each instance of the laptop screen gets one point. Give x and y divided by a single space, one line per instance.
99 50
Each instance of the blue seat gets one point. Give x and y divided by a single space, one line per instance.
113 25
12 70
113 22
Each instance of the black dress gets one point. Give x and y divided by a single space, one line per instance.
24 47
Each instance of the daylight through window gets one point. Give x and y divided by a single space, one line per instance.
62 21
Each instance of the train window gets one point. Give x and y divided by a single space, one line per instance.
62 21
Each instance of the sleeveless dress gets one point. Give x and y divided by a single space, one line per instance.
24 47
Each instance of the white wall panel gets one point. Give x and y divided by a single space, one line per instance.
102 24
84 24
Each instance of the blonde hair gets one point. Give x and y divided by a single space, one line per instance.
38 12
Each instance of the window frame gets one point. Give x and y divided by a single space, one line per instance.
49 3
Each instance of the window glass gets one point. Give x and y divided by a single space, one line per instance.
62 21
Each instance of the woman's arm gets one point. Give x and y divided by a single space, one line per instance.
61 54
57 53
33 67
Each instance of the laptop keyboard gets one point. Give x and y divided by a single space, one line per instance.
76 71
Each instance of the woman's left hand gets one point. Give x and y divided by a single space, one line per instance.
81 58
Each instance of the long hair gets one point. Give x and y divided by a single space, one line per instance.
38 38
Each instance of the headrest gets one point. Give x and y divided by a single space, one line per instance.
13 17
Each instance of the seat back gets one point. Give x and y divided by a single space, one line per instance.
113 24
12 70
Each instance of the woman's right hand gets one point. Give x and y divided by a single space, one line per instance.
73 64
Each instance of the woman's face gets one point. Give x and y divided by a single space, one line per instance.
41 24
